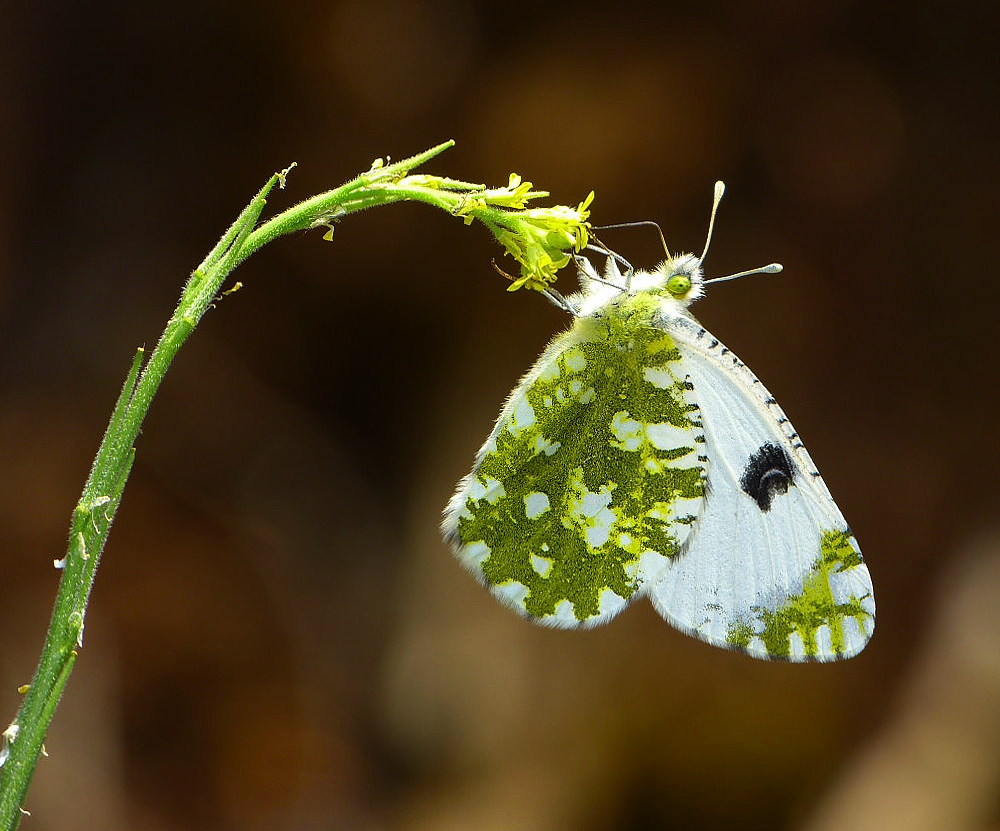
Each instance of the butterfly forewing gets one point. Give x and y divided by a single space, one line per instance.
770 567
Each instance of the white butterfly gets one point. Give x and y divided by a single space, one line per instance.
640 457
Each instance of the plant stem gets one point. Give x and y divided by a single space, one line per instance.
94 513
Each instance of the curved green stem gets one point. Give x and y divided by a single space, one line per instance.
501 209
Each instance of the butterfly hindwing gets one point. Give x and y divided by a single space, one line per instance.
591 479
770 567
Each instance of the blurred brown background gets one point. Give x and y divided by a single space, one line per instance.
278 639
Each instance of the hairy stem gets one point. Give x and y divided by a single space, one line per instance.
499 208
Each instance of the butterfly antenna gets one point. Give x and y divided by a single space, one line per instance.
635 224
720 189
772 268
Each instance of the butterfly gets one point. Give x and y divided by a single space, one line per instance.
639 457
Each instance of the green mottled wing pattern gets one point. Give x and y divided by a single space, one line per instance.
817 621
591 480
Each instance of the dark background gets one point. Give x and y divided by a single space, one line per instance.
278 639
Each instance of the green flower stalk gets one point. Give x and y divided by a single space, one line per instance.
540 239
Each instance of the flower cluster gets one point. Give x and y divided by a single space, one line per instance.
541 240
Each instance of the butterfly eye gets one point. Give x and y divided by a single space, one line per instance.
678 285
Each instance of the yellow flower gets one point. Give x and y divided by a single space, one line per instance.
542 240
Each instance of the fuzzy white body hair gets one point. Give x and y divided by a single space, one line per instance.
598 291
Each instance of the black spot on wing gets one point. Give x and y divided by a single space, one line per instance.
768 472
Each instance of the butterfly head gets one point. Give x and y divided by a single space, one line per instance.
681 278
